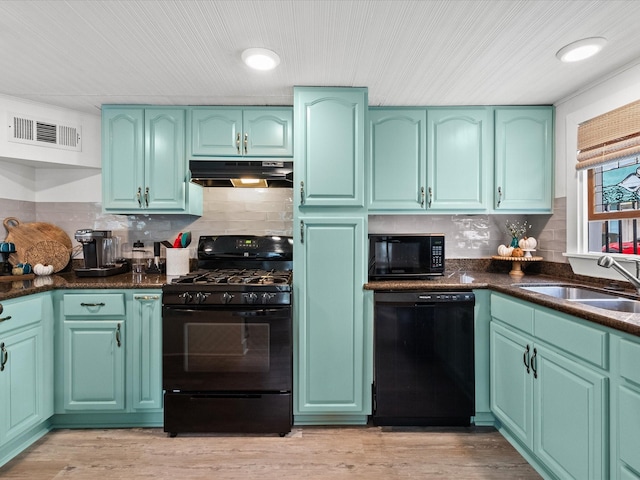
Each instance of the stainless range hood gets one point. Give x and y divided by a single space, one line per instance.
251 174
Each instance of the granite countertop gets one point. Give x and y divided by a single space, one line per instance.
69 280
451 280
505 283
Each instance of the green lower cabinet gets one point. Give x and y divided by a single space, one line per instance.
329 345
145 344
94 365
553 406
627 409
109 370
26 375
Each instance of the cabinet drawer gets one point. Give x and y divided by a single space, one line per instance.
513 313
93 305
630 360
20 313
587 343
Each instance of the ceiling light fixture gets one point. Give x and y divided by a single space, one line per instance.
581 50
260 58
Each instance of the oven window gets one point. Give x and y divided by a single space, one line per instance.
226 347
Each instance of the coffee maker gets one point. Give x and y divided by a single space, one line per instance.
100 250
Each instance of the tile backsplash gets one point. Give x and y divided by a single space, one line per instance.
270 212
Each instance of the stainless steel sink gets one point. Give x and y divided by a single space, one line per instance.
615 304
587 296
568 292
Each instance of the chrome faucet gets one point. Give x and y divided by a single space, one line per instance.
607 262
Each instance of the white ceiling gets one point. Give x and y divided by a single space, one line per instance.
81 54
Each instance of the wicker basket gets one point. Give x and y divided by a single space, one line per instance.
48 252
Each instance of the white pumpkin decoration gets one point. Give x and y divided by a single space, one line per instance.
528 243
40 269
505 251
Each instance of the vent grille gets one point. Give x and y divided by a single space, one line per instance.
44 133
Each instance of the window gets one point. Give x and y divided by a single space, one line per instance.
614 206
609 147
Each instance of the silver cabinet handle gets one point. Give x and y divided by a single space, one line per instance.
5 357
139 196
118 342
4 319
421 196
301 193
238 143
499 196
525 358
430 196
246 143
83 304
301 231
147 297
146 196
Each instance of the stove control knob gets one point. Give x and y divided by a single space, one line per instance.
201 297
227 297
266 297
186 297
250 297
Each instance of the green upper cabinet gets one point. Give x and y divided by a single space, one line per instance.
330 144
144 168
240 132
459 150
397 159
523 159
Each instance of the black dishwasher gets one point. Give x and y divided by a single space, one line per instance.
424 370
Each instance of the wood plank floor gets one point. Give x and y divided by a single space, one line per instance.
369 453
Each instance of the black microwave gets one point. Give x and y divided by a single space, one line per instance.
405 256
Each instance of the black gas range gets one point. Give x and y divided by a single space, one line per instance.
227 338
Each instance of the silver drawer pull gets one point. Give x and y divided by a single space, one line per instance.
5 357
101 304
4 319
118 342
147 297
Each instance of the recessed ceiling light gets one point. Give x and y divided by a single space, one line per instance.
260 58
581 50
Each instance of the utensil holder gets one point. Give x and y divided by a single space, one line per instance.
177 261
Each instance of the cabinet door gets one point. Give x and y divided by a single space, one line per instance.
511 384
21 382
458 159
523 159
330 144
627 417
122 157
569 410
329 360
145 347
165 162
267 132
216 132
397 156
94 365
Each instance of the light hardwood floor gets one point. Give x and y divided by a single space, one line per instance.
369 453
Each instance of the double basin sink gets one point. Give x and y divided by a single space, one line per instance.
587 296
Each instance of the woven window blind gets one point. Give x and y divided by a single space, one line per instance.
609 137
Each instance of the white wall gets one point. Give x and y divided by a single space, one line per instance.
47 174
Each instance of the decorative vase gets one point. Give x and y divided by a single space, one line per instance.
514 242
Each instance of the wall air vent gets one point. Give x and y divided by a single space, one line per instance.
44 133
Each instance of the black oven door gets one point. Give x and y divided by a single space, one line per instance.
221 349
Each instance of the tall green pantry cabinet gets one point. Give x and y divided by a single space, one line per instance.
332 366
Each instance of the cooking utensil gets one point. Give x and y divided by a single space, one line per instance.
24 235
186 239
177 243
166 243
